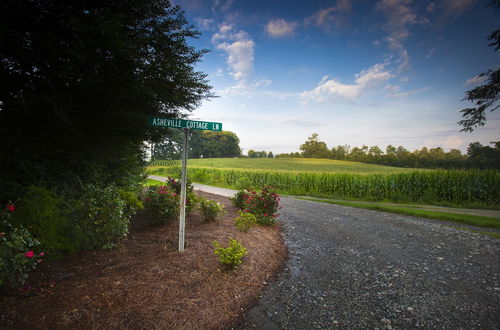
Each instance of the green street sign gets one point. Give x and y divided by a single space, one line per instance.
183 123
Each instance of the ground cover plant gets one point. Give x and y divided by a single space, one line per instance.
147 283
452 187
231 256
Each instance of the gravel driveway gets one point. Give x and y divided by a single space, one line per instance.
353 268
360 269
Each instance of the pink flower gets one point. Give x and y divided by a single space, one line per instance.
10 207
29 254
41 254
174 194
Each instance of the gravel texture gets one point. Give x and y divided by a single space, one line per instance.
359 269
353 268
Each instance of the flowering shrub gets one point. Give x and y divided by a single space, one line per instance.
17 257
263 205
232 255
176 185
245 221
211 209
238 199
161 204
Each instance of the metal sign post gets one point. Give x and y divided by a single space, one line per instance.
186 125
182 217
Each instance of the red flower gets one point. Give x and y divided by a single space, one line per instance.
29 254
10 207
41 254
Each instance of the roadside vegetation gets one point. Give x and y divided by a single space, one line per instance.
475 220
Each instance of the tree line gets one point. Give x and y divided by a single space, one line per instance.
478 155
202 144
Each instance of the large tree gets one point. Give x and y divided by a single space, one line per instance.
487 96
78 80
313 148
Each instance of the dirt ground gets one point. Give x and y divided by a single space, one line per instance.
147 283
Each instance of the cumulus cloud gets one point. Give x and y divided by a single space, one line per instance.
366 80
239 48
476 80
331 16
279 28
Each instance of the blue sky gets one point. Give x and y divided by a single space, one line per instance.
354 71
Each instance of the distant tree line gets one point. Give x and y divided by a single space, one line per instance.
259 154
478 156
202 144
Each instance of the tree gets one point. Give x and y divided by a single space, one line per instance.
270 155
313 148
221 144
78 80
340 152
486 96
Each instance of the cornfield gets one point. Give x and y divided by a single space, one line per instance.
457 187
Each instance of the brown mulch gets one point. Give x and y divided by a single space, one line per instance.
147 283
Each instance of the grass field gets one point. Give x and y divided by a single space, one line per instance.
285 164
345 180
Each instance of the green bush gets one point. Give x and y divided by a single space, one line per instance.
17 257
46 216
245 221
161 204
238 199
133 204
100 217
232 255
211 209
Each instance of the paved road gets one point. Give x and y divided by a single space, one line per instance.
352 268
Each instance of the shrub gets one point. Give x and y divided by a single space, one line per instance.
100 217
245 221
176 185
161 204
232 255
238 199
47 218
17 257
133 204
263 205
211 209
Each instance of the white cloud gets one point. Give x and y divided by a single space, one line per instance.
279 28
475 80
205 23
262 83
450 142
239 48
332 16
399 16
366 80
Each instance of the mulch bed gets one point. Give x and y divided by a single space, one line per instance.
147 283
